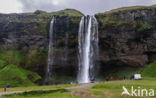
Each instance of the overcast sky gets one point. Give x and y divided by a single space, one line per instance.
85 6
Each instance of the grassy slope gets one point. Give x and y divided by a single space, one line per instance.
2 63
11 57
17 76
149 71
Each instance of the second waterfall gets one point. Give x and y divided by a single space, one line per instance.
88 49
48 77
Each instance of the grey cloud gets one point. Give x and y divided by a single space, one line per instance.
85 6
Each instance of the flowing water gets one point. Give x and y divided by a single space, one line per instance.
48 77
88 49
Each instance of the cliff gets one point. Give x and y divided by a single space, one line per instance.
127 38
24 41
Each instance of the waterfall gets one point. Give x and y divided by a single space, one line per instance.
88 49
48 77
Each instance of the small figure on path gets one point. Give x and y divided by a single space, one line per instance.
5 88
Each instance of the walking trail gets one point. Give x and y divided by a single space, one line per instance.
80 87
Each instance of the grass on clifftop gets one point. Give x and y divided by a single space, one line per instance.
68 12
17 76
126 9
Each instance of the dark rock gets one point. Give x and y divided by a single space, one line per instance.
126 39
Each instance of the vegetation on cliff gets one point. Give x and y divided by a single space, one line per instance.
131 8
119 31
149 71
16 76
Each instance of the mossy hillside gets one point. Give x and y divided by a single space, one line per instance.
2 64
149 71
17 76
27 59
12 57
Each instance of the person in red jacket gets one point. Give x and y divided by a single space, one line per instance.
5 88
111 78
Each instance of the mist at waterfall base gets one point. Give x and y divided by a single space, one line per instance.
88 49
48 77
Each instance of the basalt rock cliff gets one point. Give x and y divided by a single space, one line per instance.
127 38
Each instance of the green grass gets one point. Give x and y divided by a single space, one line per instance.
68 12
149 71
59 93
17 76
114 89
38 88
53 91
2 64
126 9
12 57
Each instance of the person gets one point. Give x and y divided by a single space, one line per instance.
5 87
111 78
118 78
132 77
8 85
107 79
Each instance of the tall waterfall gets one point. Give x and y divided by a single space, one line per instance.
88 48
48 77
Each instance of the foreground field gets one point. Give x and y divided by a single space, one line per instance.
112 89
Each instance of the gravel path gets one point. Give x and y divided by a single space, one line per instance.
9 93
82 86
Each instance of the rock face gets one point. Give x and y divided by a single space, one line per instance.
29 34
126 38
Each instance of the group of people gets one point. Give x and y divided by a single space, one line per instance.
6 86
112 78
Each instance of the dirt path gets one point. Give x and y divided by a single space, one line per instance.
9 93
80 91
82 86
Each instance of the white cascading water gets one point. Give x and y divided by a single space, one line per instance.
88 49
48 77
